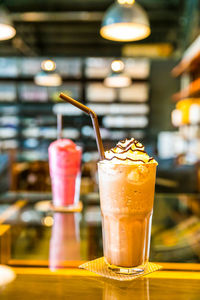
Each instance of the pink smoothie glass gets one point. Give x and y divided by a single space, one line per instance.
64 166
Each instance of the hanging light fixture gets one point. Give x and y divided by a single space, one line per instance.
117 78
125 21
7 30
48 65
48 76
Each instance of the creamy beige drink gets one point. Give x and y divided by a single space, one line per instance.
126 183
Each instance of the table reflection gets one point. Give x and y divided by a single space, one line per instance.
116 290
65 239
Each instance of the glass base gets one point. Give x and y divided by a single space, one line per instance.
126 271
76 207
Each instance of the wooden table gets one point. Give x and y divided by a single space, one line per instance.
35 280
174 281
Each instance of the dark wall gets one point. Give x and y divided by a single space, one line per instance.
163 86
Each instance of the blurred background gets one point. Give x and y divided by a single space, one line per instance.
148 89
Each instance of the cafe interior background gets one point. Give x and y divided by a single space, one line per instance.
148 89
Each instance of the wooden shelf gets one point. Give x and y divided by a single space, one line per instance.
187 65
190 62
192 90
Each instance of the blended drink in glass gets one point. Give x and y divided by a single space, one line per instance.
126 185
64 165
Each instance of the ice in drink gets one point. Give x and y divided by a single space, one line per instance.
126 184
64 166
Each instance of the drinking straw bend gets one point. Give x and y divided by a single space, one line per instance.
94 118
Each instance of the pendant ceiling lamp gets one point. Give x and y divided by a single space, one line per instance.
117 78
125 21
48 76
7 30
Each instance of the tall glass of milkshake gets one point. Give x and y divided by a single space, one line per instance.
126 185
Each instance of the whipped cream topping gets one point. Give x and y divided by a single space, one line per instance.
128 151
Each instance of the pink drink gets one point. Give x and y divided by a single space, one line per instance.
64 165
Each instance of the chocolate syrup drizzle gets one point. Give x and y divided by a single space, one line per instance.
135 142
127 158
135 150
126 148
151 158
